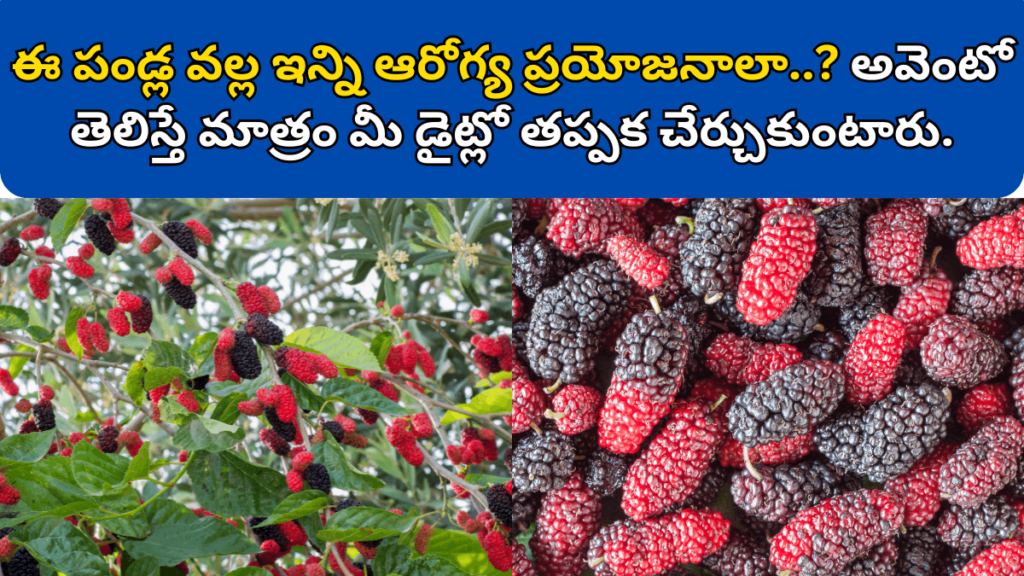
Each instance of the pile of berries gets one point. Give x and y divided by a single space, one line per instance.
843 378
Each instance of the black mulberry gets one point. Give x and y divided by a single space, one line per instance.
712 259
784 490
499 502
837 274
21 564
106 439
263 331
606 471
318 477
958 216
285 430
536 264
9 251
42 412
542 462
244 358
181 235
983 526
182 295
272 532
143 318
47 207
922 553
796 323
98 233
652 345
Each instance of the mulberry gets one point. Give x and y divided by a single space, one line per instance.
244 359
894 245
645 266
98 233
47 207
542 462
264 331
42 412
872 359
181 235
957 353
142 319
536 264
783 491
181 294
983 465
9 251
979 527
583 225
712 259
988 294
318 478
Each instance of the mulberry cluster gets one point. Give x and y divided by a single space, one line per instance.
182 236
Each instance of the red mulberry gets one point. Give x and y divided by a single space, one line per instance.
894 245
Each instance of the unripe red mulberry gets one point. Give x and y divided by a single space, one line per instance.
324 366
478 316
250 407
83 329
118 321
129 302
39 281
180 269
9 495
32 232
285 402
270 299
188 401
121 235
423 538
201 232
301 365
252 301
294 480
99 338
46 252
149 243
422 426
276 444
79 267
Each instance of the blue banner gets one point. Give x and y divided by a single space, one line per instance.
525 99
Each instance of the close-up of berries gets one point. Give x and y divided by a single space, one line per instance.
983 403
584 225
180 269
181 294
825 538
106 439
778 262
263 331
200 231
1003 559
569 516
979 527
182 236
42 412
641 263
317 477
987 294
674 463
784 490
499 502
118 321
983 465
32 233
956 217
39 281
542 462
537 264
575 408
652 345
994 243
894 243
955 352
100 236
872 359
283 428
788 404
142 319
568 318
528 405
245 359
272 440
712 259
921 302
9 251
798 322
47 207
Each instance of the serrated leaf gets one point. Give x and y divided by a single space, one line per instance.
487 402
138 468
162 354
203 347
46 484
296 506
23 448
381 345
358 395
60 512
62 546
123 501
39 334
95 471
441 225
71 331
65 221
134 382
157 377
177 535
226 410
312 524
430 565
343 349
360 524
202 433
343 475
228 485
12 318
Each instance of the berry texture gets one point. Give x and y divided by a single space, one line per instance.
979 527
318 478
181 294
983 465
1004 559
779 261
958 216
568 517
182 236
894 244
872 359
142 319
921 553
578 406
783 491
712 259
919 487
672 467
955 352
9 251
982 404
542 462
742 555
244 358
606 471
994 243
98 233
42 411
837 273
47 207
536 264
584 225
652 345
263 331
789 403
797 323
988 294
826 538
568 320
641 263
921 302
528 405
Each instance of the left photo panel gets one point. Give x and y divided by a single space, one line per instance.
299 387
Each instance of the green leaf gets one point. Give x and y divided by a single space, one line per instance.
312 524
343 349
360 524
95 471
203 433
485 479
229 485
157 377
133 382
22 448
441 225
203 347
381 345
65 221
430 565
226 410
138 468
62 546
462 550
46 484
487 402
390 555
178 534
123 501
296 506
12 318
343 475
71 331
18 362
39 334
162 354
358 395
332 220
356 254
247 571
61 512
305 396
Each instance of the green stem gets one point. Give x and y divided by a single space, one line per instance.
167 487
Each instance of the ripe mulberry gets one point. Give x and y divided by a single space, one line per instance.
583 225
872 359
983 465
181 294
989 294
568 517
979 527
9 251
536 264
285 429
142 319
983 403
798 322
957 353
318 478
264 331
826 538
106 439
958 216
645 266
42 412
921 302
47 207
1005 559
98 233
919 487
712 259
779 261
244 359
528 405
181 235
578 406
180 269
789 403
783 491
499 502
568 319
542 462
994 243
921 553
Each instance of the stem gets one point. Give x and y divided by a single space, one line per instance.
19 219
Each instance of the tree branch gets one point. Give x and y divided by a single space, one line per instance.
20 219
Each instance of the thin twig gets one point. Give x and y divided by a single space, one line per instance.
322 285
20 219
78 386
60 353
